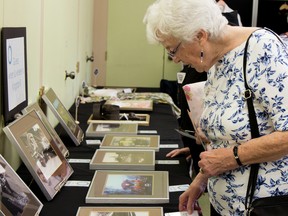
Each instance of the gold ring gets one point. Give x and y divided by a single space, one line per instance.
201 171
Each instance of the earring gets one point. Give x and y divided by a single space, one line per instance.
201 56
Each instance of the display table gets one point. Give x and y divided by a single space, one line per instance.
67 201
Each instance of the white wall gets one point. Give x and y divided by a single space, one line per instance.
59 36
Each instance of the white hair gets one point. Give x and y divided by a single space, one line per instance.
183 19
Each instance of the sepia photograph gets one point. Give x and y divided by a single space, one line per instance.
131 141
39 152
16 197
48 126
100 129
123 159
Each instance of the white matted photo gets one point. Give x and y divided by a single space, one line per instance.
151 142
16 197
39 152
129 187
64 117
48 126
101 129
123 159
120 211
144 105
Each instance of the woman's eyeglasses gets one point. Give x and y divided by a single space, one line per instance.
172 53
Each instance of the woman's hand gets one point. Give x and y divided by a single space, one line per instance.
217 161
177 152
188 201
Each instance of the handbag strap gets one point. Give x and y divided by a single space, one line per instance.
254 131
253 124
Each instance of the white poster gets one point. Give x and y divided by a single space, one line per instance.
15 72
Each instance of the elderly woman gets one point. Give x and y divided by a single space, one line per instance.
194 32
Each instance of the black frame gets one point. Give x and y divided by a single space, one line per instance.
11 33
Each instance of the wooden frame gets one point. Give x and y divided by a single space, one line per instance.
129 187
101 129
16 197
151 142
139 105
144 122
137 211
122 159
63 116
48 126
39 152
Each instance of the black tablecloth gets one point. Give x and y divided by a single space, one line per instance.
67 201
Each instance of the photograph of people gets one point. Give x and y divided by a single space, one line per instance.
196 33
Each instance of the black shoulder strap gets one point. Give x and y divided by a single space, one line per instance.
254 130
253 124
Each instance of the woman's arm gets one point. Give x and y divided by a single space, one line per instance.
263 149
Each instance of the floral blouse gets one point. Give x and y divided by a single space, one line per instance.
225 118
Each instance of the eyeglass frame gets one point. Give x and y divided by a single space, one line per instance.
172 53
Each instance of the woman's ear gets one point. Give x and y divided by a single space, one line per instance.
202 36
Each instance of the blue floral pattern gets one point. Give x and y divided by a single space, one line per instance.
225 118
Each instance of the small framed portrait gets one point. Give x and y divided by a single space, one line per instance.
49 127
151 142
64 117
16 197
39 152
129 187
120 211
122 159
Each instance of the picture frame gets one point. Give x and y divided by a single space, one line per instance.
101 129
14 71
16 196
144 122
39 152
117 211
145 187
147 142
122 159
48 126
63 116
136 105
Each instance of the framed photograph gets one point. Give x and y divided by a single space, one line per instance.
39 152
14 71
16 197
143 105
100 129
151 142
120 211
63 116
48 126
122 159
141 119
129 187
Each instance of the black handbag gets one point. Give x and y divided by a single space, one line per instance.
276 205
